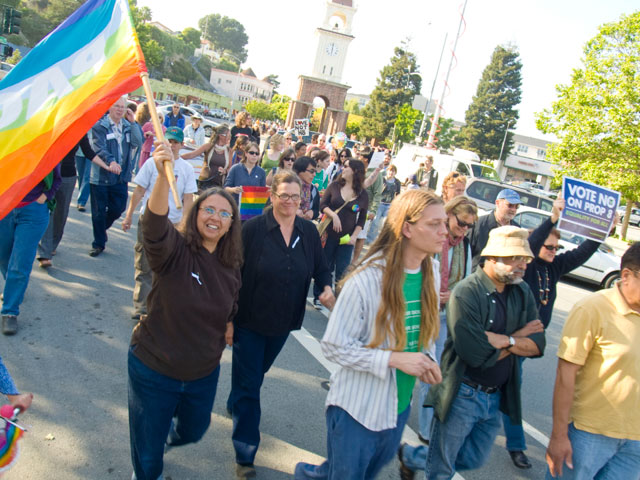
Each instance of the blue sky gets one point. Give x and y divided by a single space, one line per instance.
550 36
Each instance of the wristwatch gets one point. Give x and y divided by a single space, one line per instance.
512 342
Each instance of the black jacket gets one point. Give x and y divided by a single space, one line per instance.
479 235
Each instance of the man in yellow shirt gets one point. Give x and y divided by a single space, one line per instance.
596 415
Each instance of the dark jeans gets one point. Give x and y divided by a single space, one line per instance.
83 165
51 238
514 433
107 204
163 409
338 258
253 355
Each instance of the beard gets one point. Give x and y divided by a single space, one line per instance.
503 275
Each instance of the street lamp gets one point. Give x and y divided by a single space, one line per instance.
504 140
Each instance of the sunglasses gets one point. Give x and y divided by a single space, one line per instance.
344 155
463 224
553 248
223 214
290 159
253 153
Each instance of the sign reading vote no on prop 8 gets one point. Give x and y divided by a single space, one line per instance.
589 209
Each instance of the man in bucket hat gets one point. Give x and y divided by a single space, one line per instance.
491 319
507 203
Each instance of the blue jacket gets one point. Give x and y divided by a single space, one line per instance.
172 120
105 145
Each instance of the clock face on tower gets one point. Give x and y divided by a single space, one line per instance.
332 49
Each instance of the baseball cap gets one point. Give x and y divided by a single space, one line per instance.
174 133
509 195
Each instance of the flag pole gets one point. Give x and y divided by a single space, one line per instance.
168 166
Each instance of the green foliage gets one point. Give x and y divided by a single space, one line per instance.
15 58
173 46
227 65
396 86
353 125
407 117
596 116
352 106
153 52
273 80
316 118
259 110
204 66
191 37
280 106
181 71
445 133
494 105
225 34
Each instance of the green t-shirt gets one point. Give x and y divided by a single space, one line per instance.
319 180
411 289
267 163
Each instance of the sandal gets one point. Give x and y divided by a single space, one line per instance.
44 262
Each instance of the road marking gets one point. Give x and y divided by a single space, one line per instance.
312 345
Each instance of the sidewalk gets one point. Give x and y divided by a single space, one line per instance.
619 246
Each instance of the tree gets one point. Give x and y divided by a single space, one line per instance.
273 80
227 65
494 105
445 133
396 86
353 125
191 37
259 110
352 106
151 49
15 57
405 122
225 34
596 117
280 106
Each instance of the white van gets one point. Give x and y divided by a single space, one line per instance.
465 162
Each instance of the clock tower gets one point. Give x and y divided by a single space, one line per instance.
334 37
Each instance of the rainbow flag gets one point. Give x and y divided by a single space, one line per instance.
252 201
9 436
61 89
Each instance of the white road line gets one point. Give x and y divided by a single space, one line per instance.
312 345
536 434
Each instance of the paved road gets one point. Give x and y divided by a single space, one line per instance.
71 351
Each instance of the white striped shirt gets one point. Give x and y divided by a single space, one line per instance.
364 385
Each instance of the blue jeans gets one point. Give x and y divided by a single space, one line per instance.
464 440
83 165
378 220
338 258
253 355
514 433
164 410
425 415
20 232
107 204
353 451
601 458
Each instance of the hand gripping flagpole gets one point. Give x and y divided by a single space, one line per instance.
168 166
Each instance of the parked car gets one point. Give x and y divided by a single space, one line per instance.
603 268
634 219
4 69
484 193
201 109
188 112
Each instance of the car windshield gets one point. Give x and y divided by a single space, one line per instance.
485 172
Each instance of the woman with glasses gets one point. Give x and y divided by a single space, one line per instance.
217 159
282 254
285 162
453 186
345 203
271 156
542 275
247 173
305 168
174 356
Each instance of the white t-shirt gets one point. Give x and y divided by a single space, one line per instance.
185 180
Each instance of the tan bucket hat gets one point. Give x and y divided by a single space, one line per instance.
507 241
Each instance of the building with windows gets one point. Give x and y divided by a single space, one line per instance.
527 162
243 86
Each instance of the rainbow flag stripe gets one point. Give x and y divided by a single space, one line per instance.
252 201
61 89
9 449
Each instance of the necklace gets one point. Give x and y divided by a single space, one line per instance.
543 288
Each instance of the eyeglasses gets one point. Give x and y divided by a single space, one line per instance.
463 224
253 153
285 197
553 248
311 171
223 214
513 205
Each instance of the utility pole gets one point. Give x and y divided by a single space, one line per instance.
423 125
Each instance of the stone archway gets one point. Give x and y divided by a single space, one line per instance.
334 118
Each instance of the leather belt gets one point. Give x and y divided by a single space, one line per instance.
480 388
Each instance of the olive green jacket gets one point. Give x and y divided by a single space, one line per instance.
470 312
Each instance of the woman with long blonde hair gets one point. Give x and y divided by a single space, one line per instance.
381 333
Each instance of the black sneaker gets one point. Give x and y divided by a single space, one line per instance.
316 304
94 252
9 324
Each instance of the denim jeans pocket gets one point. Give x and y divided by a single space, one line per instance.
466 392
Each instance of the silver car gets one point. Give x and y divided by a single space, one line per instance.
188 112
603 268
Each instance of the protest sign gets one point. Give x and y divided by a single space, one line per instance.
301 126
589 209
376 159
